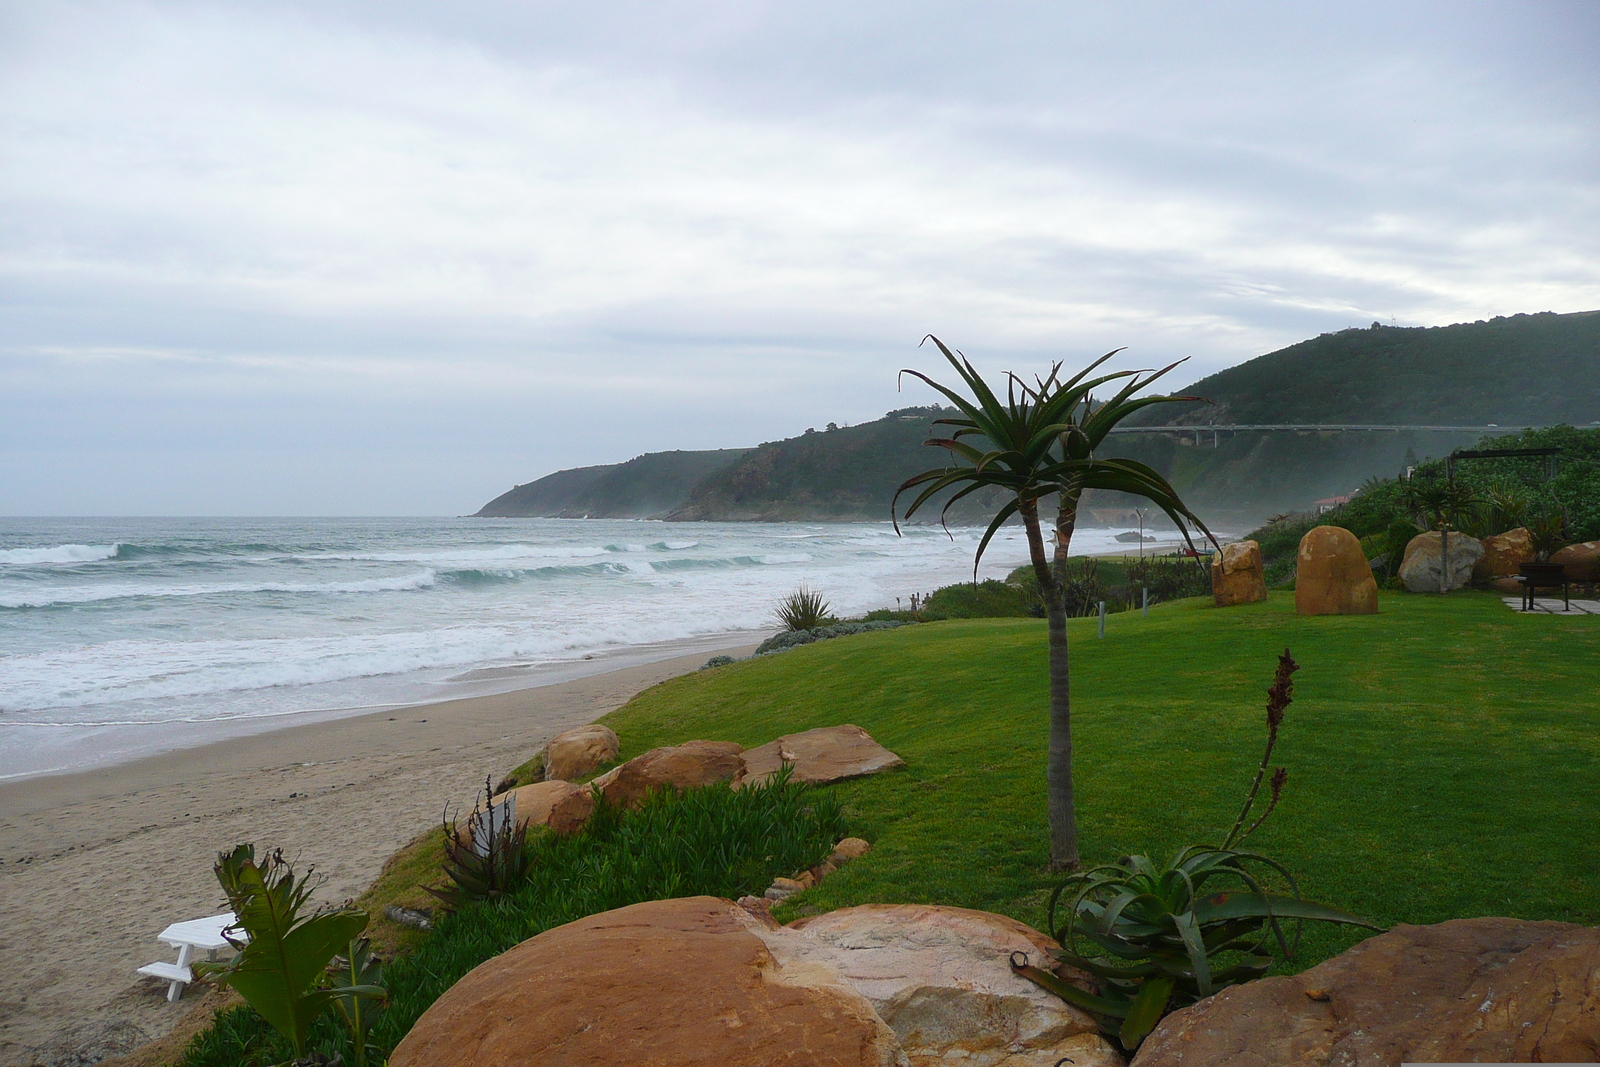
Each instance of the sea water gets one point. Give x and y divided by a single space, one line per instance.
126 637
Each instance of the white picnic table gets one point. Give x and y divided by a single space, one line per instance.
204 934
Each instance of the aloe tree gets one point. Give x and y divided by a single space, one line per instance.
1036 444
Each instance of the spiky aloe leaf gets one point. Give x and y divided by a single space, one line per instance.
1145 1011
1259 905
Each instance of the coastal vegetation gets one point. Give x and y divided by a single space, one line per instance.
1444 763
1556 497
713 841
1038 447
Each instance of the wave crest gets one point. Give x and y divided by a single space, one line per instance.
58 554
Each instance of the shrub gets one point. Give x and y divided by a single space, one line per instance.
793 638
280 968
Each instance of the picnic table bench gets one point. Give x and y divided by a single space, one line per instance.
186 937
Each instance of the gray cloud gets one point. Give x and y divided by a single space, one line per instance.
394 257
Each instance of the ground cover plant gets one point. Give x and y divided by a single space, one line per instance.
705 841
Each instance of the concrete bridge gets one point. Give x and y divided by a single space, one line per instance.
1216 431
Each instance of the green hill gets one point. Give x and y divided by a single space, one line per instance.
1518 371
842 473
643 487
1524 370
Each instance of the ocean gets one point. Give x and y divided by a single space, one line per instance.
121 638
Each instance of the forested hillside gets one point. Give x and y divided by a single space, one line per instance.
1524 370
1518 371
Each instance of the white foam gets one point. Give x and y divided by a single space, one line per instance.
785 557
89 594
58 554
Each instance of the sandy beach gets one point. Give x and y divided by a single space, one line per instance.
94 864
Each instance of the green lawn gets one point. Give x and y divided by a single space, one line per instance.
1442 755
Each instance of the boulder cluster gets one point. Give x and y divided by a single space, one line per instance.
827 754
700 980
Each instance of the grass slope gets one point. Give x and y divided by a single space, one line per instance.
1443 755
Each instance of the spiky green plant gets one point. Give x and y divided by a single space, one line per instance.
280 966
1040 442
803 609
1152 933
484 861
1547 534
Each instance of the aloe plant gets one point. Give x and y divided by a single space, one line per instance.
280 968
1037 443
487 860
803 609
1152 933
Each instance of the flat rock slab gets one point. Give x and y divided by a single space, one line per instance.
941 979
1555 605
827 754
1465 991
669 983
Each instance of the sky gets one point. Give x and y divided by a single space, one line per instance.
392 257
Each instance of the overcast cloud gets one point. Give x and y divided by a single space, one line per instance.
391 258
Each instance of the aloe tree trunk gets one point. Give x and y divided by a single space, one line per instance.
1051 573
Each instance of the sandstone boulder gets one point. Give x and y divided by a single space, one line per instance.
1332 576
1421 572
693 763
1503 554
1237 576
562 806
1582 561
1465 991
580 751
941 979
828 754
611 989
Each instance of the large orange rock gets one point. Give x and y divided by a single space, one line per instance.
1332 576
669 983
1421 570
942 980
1503 554
1465 991
1582 561
693 763
1237 576
579 751
826 754
561 806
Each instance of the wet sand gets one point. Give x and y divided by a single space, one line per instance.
94 864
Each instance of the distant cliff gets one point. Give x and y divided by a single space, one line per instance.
645 487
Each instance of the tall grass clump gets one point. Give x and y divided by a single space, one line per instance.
713 841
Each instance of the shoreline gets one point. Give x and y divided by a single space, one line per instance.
470 683
93 863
